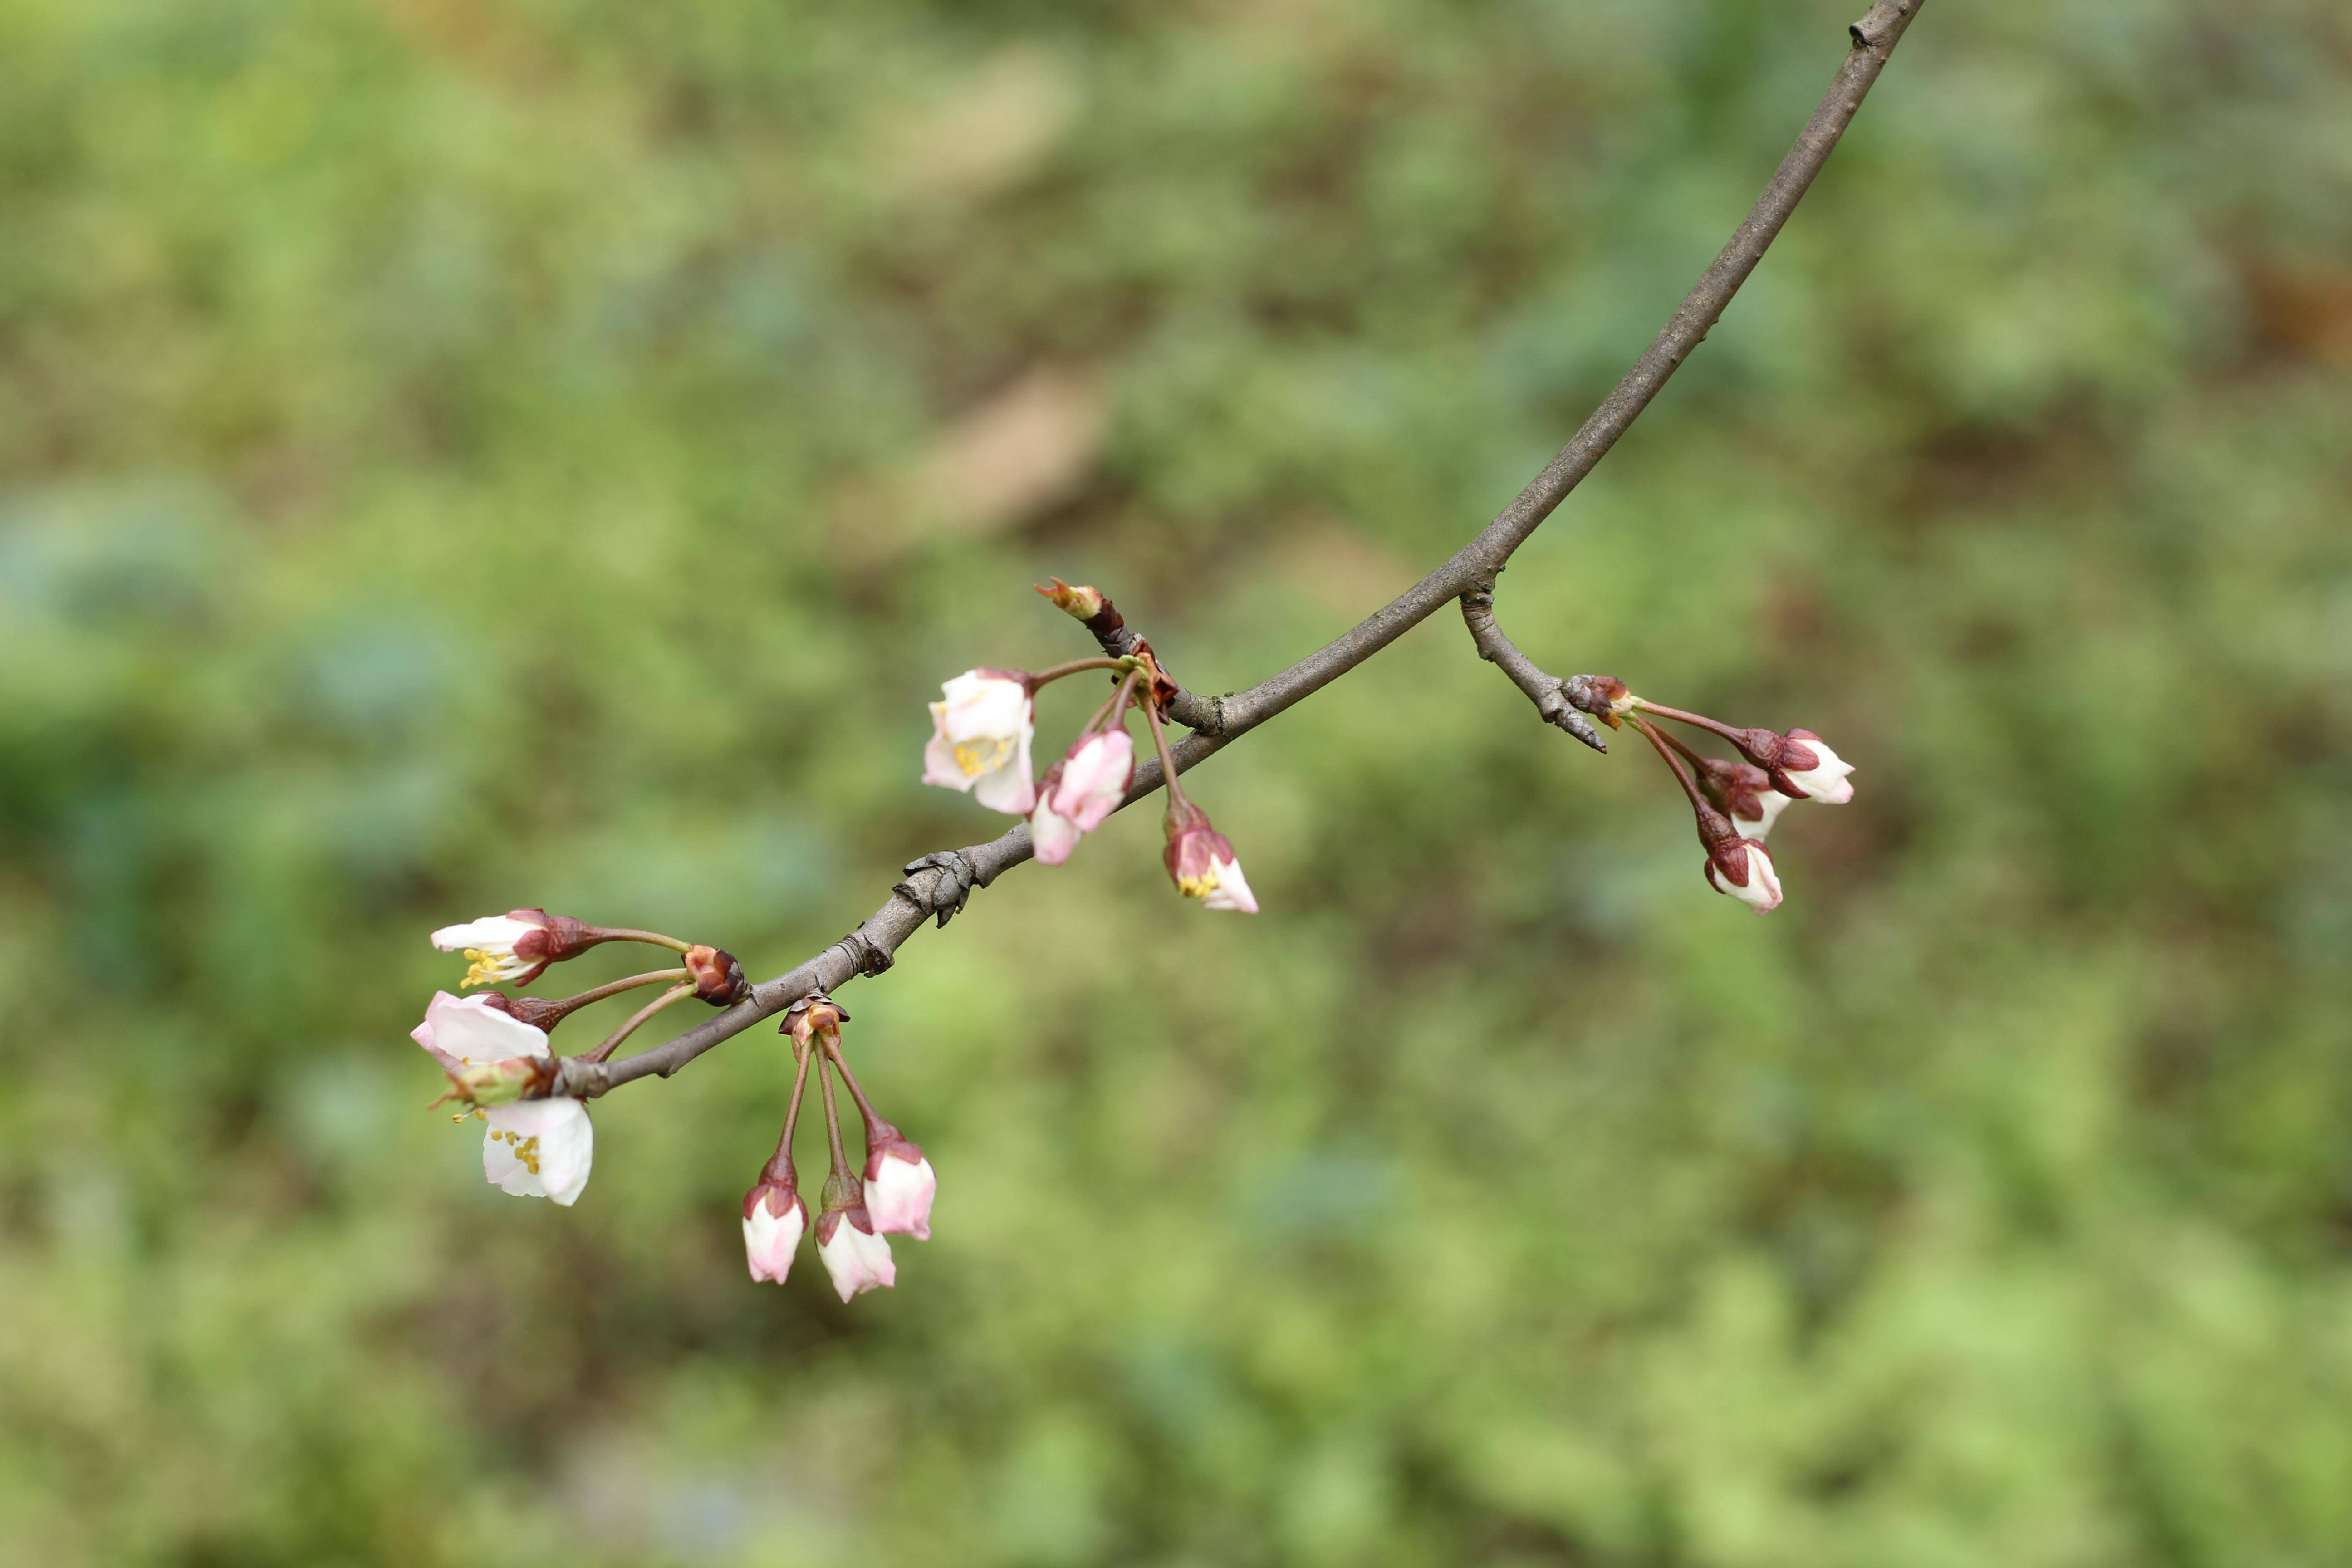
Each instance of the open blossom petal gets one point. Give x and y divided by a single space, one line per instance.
499 947
1228 889
857 1260
1761 890
981 732
471 1031
899 1186
1826 780
539 1148
1095 779
769 1237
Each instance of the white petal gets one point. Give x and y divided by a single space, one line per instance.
939 756
1762 891
982 706
1826 780
856 1260
1011 787
491 933
468 1031
554 1135
1233 890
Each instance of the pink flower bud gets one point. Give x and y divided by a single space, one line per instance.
980 731
516 946
1743 868
1201 862
857 1258
1818 772
775 1218
1079 791
899 1185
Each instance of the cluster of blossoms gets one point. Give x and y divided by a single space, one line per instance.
1736 803
541 1143
984 724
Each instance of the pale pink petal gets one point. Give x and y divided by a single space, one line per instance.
898 1195
470 1031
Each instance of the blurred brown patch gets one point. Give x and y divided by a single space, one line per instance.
1019 453
2299 310
482 38
997 127
1335 568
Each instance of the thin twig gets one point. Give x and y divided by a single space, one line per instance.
1474 565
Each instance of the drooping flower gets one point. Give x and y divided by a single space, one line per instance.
1743 868
534 1147
853 1253
1079 791
1818 772
899 1184
980 731
1202 863
775 1218
516 946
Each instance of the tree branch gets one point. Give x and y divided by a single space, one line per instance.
1217 722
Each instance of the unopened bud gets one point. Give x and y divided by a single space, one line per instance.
846 1242
1202 863
774 1219
1743 868
899 1184
718 977
1744 793
1082 602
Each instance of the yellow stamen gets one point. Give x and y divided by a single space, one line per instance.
486 968
977 757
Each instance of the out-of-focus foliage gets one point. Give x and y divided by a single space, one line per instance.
465 453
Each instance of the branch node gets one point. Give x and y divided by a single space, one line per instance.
869 959
958 876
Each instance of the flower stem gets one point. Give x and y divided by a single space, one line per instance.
849 1082
614 988
1167 762
1114 711
832 1116
625 933
792 1111
676 993
1682 773
1688 756
1076 667
1712 726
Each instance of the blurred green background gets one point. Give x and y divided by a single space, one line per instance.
456 454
